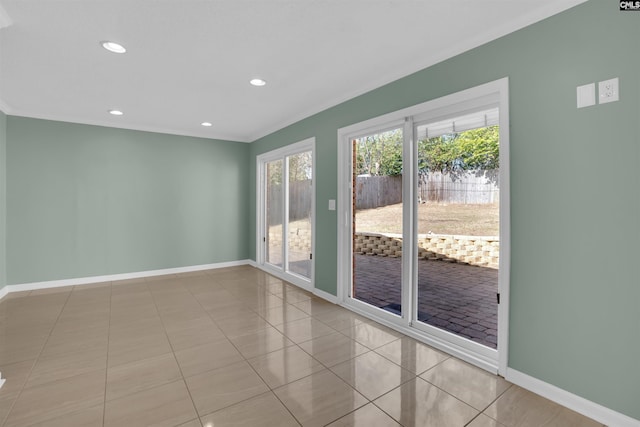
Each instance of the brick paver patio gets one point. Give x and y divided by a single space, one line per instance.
455 297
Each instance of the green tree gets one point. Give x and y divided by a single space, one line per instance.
300 168
476 149
379 154
479 148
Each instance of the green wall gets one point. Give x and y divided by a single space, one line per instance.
86 201
575 203
3 199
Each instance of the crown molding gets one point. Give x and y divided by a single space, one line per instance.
125 126
410 67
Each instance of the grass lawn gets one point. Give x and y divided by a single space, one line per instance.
438 218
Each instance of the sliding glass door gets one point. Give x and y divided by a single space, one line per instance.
286 201
458 223
300 203
377 232
274 212
425 223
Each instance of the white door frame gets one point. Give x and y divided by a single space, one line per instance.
492 94
308 144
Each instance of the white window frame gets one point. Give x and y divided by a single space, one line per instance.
491 94
308 144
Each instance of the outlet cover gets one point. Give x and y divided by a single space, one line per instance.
608 91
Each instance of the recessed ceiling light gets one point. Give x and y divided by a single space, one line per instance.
206 124
258 82
113 47
116 112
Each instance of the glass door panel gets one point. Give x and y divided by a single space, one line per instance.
458 230
274 212
377 208
300 202
287 200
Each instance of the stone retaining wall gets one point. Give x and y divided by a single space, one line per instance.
483 251
475 250
298 239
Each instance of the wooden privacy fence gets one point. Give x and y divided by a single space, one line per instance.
473 187
300 198
469 187
376 191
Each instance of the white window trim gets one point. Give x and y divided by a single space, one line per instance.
466 101
308 144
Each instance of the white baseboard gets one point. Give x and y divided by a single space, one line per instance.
579 404
114 277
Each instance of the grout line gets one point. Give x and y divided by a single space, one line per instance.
284 349
246 360
416 378
460 400
473 419
383 411
491 403
325 367
36 358
173 353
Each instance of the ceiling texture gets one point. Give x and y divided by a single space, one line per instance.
190 61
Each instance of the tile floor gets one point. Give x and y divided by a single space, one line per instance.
234 347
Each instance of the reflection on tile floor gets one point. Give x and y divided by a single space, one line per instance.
233 347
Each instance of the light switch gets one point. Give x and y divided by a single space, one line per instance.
332 205
608 91
586 95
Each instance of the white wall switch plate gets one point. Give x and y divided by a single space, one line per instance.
332 205
608 91
586 95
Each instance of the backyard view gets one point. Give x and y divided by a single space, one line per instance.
296 171
439 218
457 227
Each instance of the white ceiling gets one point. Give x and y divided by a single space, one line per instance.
190 61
